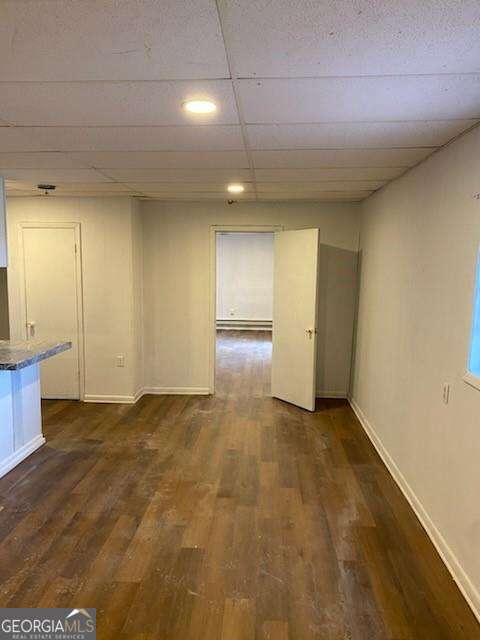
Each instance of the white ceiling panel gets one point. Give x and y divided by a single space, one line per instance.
193 196
126 40
113 103
355 135
161 159
326 196
317 187
377 99
181 187
320 175
312 158
341 37
178 138
71 193
78 187
136 176
91 188
13 139
54 176
38 160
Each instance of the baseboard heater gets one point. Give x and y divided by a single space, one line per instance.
228 324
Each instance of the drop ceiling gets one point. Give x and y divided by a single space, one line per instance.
325 100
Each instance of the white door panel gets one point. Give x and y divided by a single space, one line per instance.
295 317
51 282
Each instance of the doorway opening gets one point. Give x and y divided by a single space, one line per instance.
244 311
241 308
293 264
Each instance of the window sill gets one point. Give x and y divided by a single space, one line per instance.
472 380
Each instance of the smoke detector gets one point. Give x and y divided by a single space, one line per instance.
46 188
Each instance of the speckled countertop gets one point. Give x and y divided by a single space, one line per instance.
17 355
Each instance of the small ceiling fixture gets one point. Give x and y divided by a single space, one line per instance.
46 188
235 188
200 106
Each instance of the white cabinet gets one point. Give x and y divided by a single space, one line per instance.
3 226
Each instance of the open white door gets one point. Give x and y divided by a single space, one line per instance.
295 317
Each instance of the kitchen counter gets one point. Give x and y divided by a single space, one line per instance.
20 403
17 355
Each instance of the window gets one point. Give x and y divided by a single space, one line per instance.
473 374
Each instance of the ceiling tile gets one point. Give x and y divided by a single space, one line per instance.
38 160
110 40
161 159
131 176
13 139
310 158
178 138
360 99
319 175
355 135
317 187
347 196
54 176
340 37
69 194
181 187
77 187
113 103
193 196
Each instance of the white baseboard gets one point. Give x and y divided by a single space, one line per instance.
20 454
156 391
458 573
111 399
332 394
176 391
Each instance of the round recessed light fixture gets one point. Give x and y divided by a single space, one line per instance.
200 106
235 188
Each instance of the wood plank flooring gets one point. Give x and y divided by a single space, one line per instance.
233 517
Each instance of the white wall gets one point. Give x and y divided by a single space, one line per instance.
177 284
138 301
4 322
3 229
244 276
108 284
419 242
146 286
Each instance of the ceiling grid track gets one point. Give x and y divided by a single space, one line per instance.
236 93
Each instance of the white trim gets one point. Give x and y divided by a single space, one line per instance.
332 394
458 573
78 281
214 229
20 454
155 391
471 379
111 399
176 391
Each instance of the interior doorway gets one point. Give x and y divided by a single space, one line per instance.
244 311
290 299
241 301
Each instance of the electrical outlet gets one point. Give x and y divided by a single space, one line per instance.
446 392
121 361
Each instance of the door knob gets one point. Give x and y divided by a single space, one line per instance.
310 332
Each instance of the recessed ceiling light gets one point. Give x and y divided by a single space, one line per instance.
200 106
235 188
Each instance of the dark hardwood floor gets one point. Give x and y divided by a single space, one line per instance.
234 517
